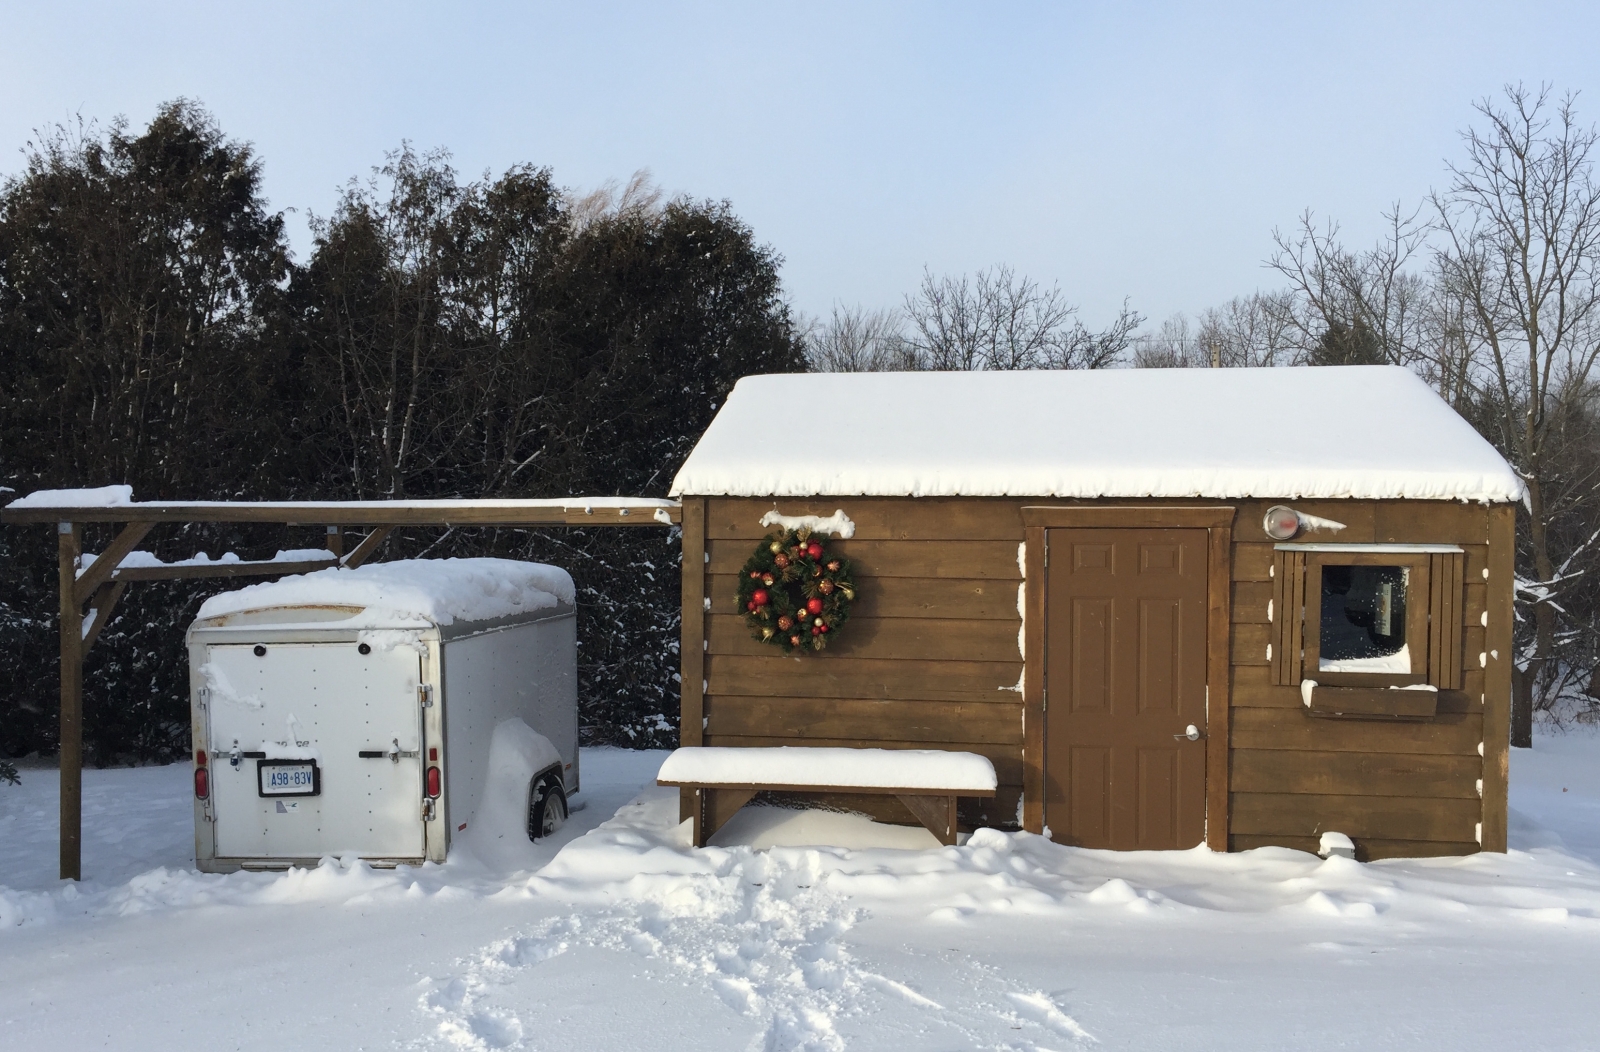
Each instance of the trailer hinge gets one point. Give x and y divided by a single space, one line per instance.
205 697
427 809
425 695
1047 551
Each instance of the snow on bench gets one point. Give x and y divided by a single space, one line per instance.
927 781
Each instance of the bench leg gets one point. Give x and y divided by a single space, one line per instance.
713 808
937 813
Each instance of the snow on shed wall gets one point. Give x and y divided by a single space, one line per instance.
436 591
1371 432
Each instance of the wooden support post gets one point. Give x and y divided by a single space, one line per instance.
1496 744
1033 680
336 540
691 652
69 541
1219 615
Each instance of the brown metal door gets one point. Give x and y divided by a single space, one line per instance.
1125 671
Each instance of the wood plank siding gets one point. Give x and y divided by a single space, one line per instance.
932 658
1395 788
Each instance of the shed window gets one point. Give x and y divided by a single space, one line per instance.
1381 622
1363 619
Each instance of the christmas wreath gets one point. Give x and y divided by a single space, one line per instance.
794 593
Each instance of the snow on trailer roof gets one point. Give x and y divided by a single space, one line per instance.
1370 432
435 591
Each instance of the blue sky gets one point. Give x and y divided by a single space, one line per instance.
1138 150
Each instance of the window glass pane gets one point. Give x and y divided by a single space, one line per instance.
1364 619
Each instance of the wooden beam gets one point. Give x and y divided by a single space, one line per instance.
99 571
368 513
69 546
100 610
336 540
1128 516
369 545
240 569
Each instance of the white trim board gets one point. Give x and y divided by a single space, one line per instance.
1397 549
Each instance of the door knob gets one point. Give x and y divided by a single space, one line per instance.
1190 733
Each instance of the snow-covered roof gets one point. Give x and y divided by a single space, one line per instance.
1339 431
423 591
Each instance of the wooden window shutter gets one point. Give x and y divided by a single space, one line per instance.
1288 617
1444 620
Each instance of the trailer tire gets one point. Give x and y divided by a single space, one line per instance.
547 807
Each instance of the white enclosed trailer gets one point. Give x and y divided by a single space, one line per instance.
349 712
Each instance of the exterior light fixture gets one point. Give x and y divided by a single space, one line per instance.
1281 522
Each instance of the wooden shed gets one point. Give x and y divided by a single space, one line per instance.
1173 607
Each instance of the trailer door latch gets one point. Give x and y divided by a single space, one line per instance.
395 753
425 695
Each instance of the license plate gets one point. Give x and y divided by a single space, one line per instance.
288 777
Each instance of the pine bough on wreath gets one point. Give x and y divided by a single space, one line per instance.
794 593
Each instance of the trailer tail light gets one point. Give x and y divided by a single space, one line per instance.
433 783
202 783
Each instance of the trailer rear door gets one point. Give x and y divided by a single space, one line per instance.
317 750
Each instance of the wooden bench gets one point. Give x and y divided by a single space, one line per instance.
928 782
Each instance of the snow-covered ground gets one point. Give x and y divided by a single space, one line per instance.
617 936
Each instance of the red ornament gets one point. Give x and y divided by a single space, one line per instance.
751 605
760 597
785 622
816 631
822 628
814 605
780 561
755 575
814 550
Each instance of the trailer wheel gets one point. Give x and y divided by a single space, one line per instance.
547 808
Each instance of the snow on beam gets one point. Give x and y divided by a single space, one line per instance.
100 506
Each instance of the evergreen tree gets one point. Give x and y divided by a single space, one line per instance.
493 338
1347 344
134 269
